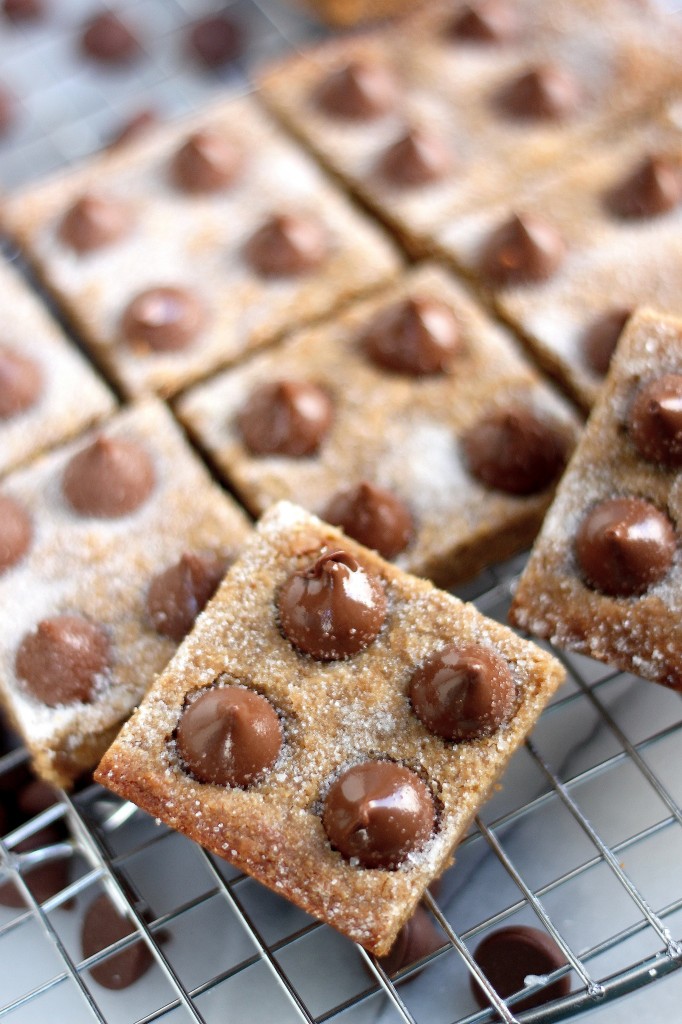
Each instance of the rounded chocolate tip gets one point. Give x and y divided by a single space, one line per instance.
419 336
543 93
163 319
509 955
287 245
372 516
333 609
95 221
21 383
655 421
177 595
23 10
418 938
107 39
110 478
653 188
485 22
601 337
463 692
417 158
624 546
207 162
516 450
361 91
135 127
229 736
15 532
61 661
523 250
285 418
215 41
379 813
102 926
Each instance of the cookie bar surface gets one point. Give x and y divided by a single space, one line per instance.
85 531
595 241
604 576
176 255
337 714
412 433
352 12
47 390
438 124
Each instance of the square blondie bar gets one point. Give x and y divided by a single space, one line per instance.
298 706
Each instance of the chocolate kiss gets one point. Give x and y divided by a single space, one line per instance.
654 188
490 21
544 93
360 91
525 248
416 159
287 245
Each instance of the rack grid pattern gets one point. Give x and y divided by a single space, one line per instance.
582 838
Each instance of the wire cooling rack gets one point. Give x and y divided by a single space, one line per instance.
582 838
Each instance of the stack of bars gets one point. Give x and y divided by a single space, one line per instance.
345 294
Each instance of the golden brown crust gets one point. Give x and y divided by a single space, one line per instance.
637 634
334 714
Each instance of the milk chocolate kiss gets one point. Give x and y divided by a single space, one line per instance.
515 450
624 546
463 692
112 477
229 736
655 421
285 418
21 383
95 221
378 812
418 336
62 659
523 250
333 609
373 516
361 91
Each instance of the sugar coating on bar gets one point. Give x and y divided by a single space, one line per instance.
101 569
70 396
196 240
621 56
641 634
610 262
334 715
409 442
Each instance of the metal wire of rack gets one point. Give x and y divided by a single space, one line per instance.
582 837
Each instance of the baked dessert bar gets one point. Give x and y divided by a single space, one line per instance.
107 548
410 417
566 262
431 118
343 13
604 575
176 255
300 733
47 390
